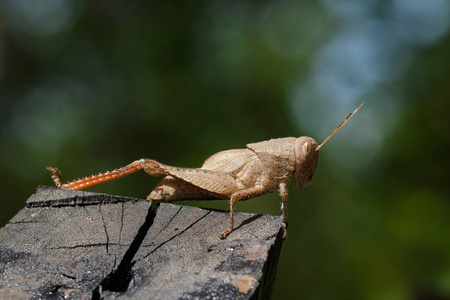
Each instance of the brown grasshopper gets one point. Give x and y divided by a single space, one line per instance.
237 174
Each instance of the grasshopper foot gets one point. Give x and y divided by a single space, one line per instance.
225 233
56 176
284 231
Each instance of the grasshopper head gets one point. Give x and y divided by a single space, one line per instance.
307 155
306 159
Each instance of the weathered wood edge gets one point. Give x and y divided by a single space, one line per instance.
65 197
264 290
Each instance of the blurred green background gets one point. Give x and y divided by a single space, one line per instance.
89 86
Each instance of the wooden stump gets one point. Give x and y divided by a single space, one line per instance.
82 245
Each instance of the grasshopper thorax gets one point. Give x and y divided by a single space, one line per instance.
306 159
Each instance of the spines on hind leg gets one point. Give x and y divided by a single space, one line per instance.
102 177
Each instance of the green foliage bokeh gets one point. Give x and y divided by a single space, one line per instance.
89 86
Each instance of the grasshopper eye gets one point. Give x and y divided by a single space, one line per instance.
307 148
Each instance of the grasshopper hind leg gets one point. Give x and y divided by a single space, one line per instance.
172 189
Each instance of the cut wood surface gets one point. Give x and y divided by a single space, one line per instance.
82 245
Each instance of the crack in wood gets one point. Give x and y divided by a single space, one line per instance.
38 239
87 246
119 279
78 225
104 227
68 276
179 233
22 222
66 197
121 221
169 222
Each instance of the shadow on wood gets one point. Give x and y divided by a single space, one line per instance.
82 245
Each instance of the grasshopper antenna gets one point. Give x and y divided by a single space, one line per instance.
339 127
